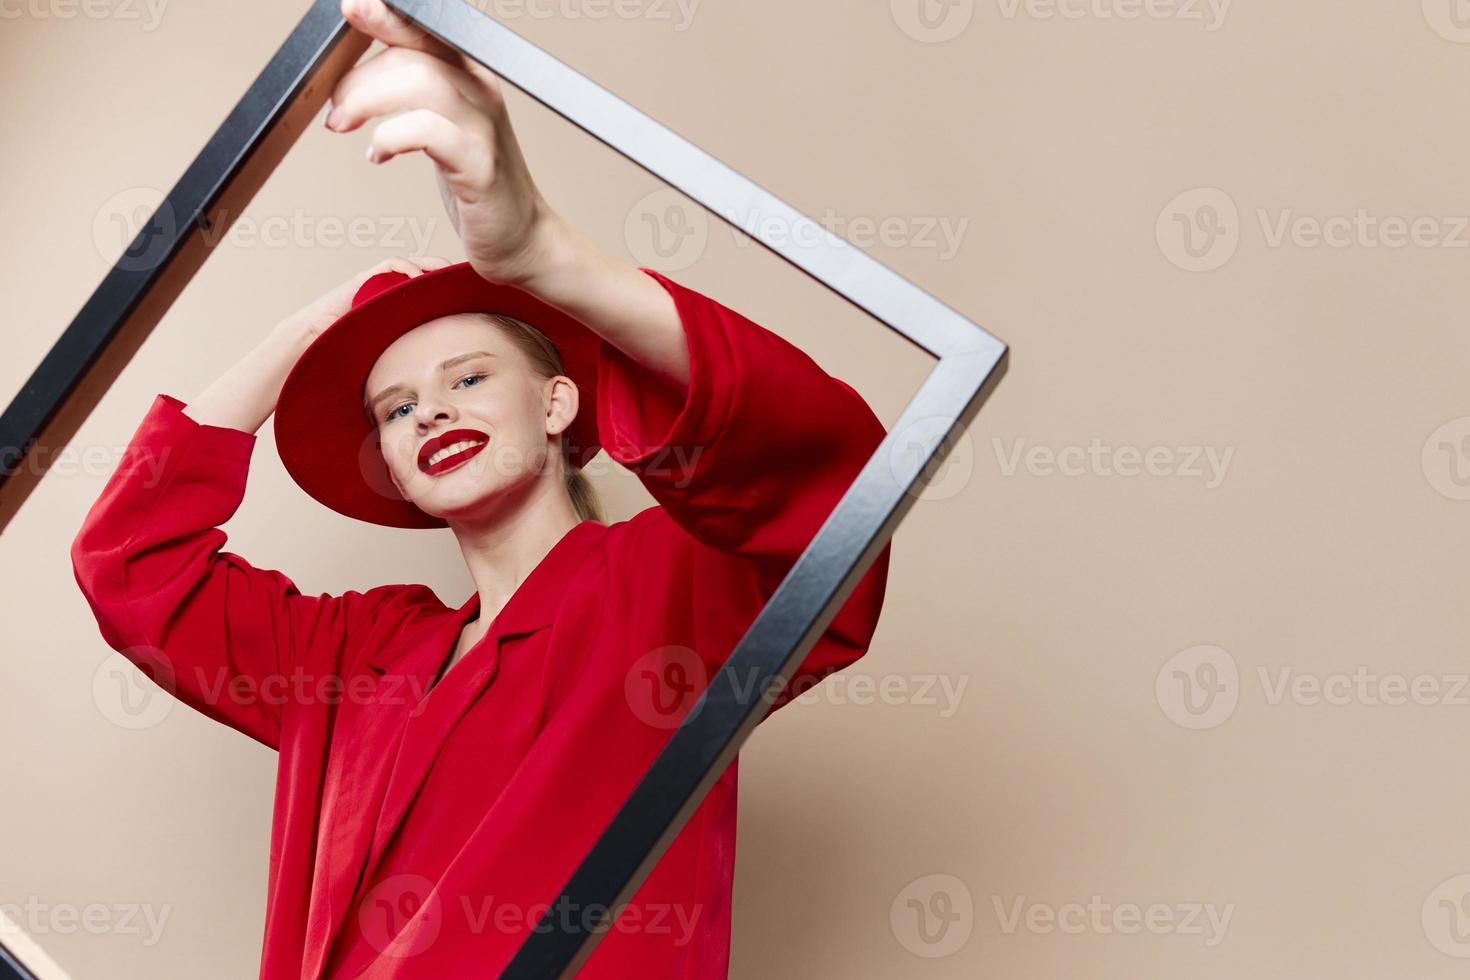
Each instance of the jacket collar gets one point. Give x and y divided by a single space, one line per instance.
532 606
351 846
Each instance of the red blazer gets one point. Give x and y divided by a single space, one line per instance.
423 835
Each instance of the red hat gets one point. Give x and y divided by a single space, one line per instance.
327 441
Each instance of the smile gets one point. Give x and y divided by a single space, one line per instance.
447 451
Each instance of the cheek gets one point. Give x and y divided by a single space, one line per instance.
398 452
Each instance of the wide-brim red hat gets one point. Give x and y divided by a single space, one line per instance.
326 439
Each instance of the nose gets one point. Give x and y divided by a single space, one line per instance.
428 411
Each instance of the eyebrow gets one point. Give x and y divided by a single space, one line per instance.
369 405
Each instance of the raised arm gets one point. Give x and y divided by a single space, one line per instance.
769 441
747 461
245 395
232 640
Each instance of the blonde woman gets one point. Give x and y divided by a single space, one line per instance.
444 768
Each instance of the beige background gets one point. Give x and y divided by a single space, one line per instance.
1071 613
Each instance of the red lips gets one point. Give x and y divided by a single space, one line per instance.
427 451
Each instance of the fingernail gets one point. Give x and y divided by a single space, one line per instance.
372 155
334 117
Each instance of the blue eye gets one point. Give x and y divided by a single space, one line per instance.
393 414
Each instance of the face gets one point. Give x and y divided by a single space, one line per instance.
459 384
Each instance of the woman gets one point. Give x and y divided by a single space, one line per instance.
443 770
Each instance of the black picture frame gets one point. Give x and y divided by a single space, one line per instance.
253 139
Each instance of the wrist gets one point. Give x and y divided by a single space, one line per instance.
290 337
554 253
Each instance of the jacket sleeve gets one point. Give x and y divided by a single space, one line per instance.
232 641
747 462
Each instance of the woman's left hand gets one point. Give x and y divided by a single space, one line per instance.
454 111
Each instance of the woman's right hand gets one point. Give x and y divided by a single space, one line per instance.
309 321
245 395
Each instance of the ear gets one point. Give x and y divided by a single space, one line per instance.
562 403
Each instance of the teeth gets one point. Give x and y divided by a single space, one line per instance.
451 450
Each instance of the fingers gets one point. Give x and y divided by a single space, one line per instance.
459 157
396 79
407 265
401 263
395 263
379 21
333 304
375 19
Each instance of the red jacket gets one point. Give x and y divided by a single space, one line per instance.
423 835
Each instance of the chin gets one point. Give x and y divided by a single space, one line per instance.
460 504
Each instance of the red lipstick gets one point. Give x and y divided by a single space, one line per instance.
444 439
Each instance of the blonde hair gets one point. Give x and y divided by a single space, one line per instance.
546 362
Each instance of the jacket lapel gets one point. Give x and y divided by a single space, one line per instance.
354 786
366 801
